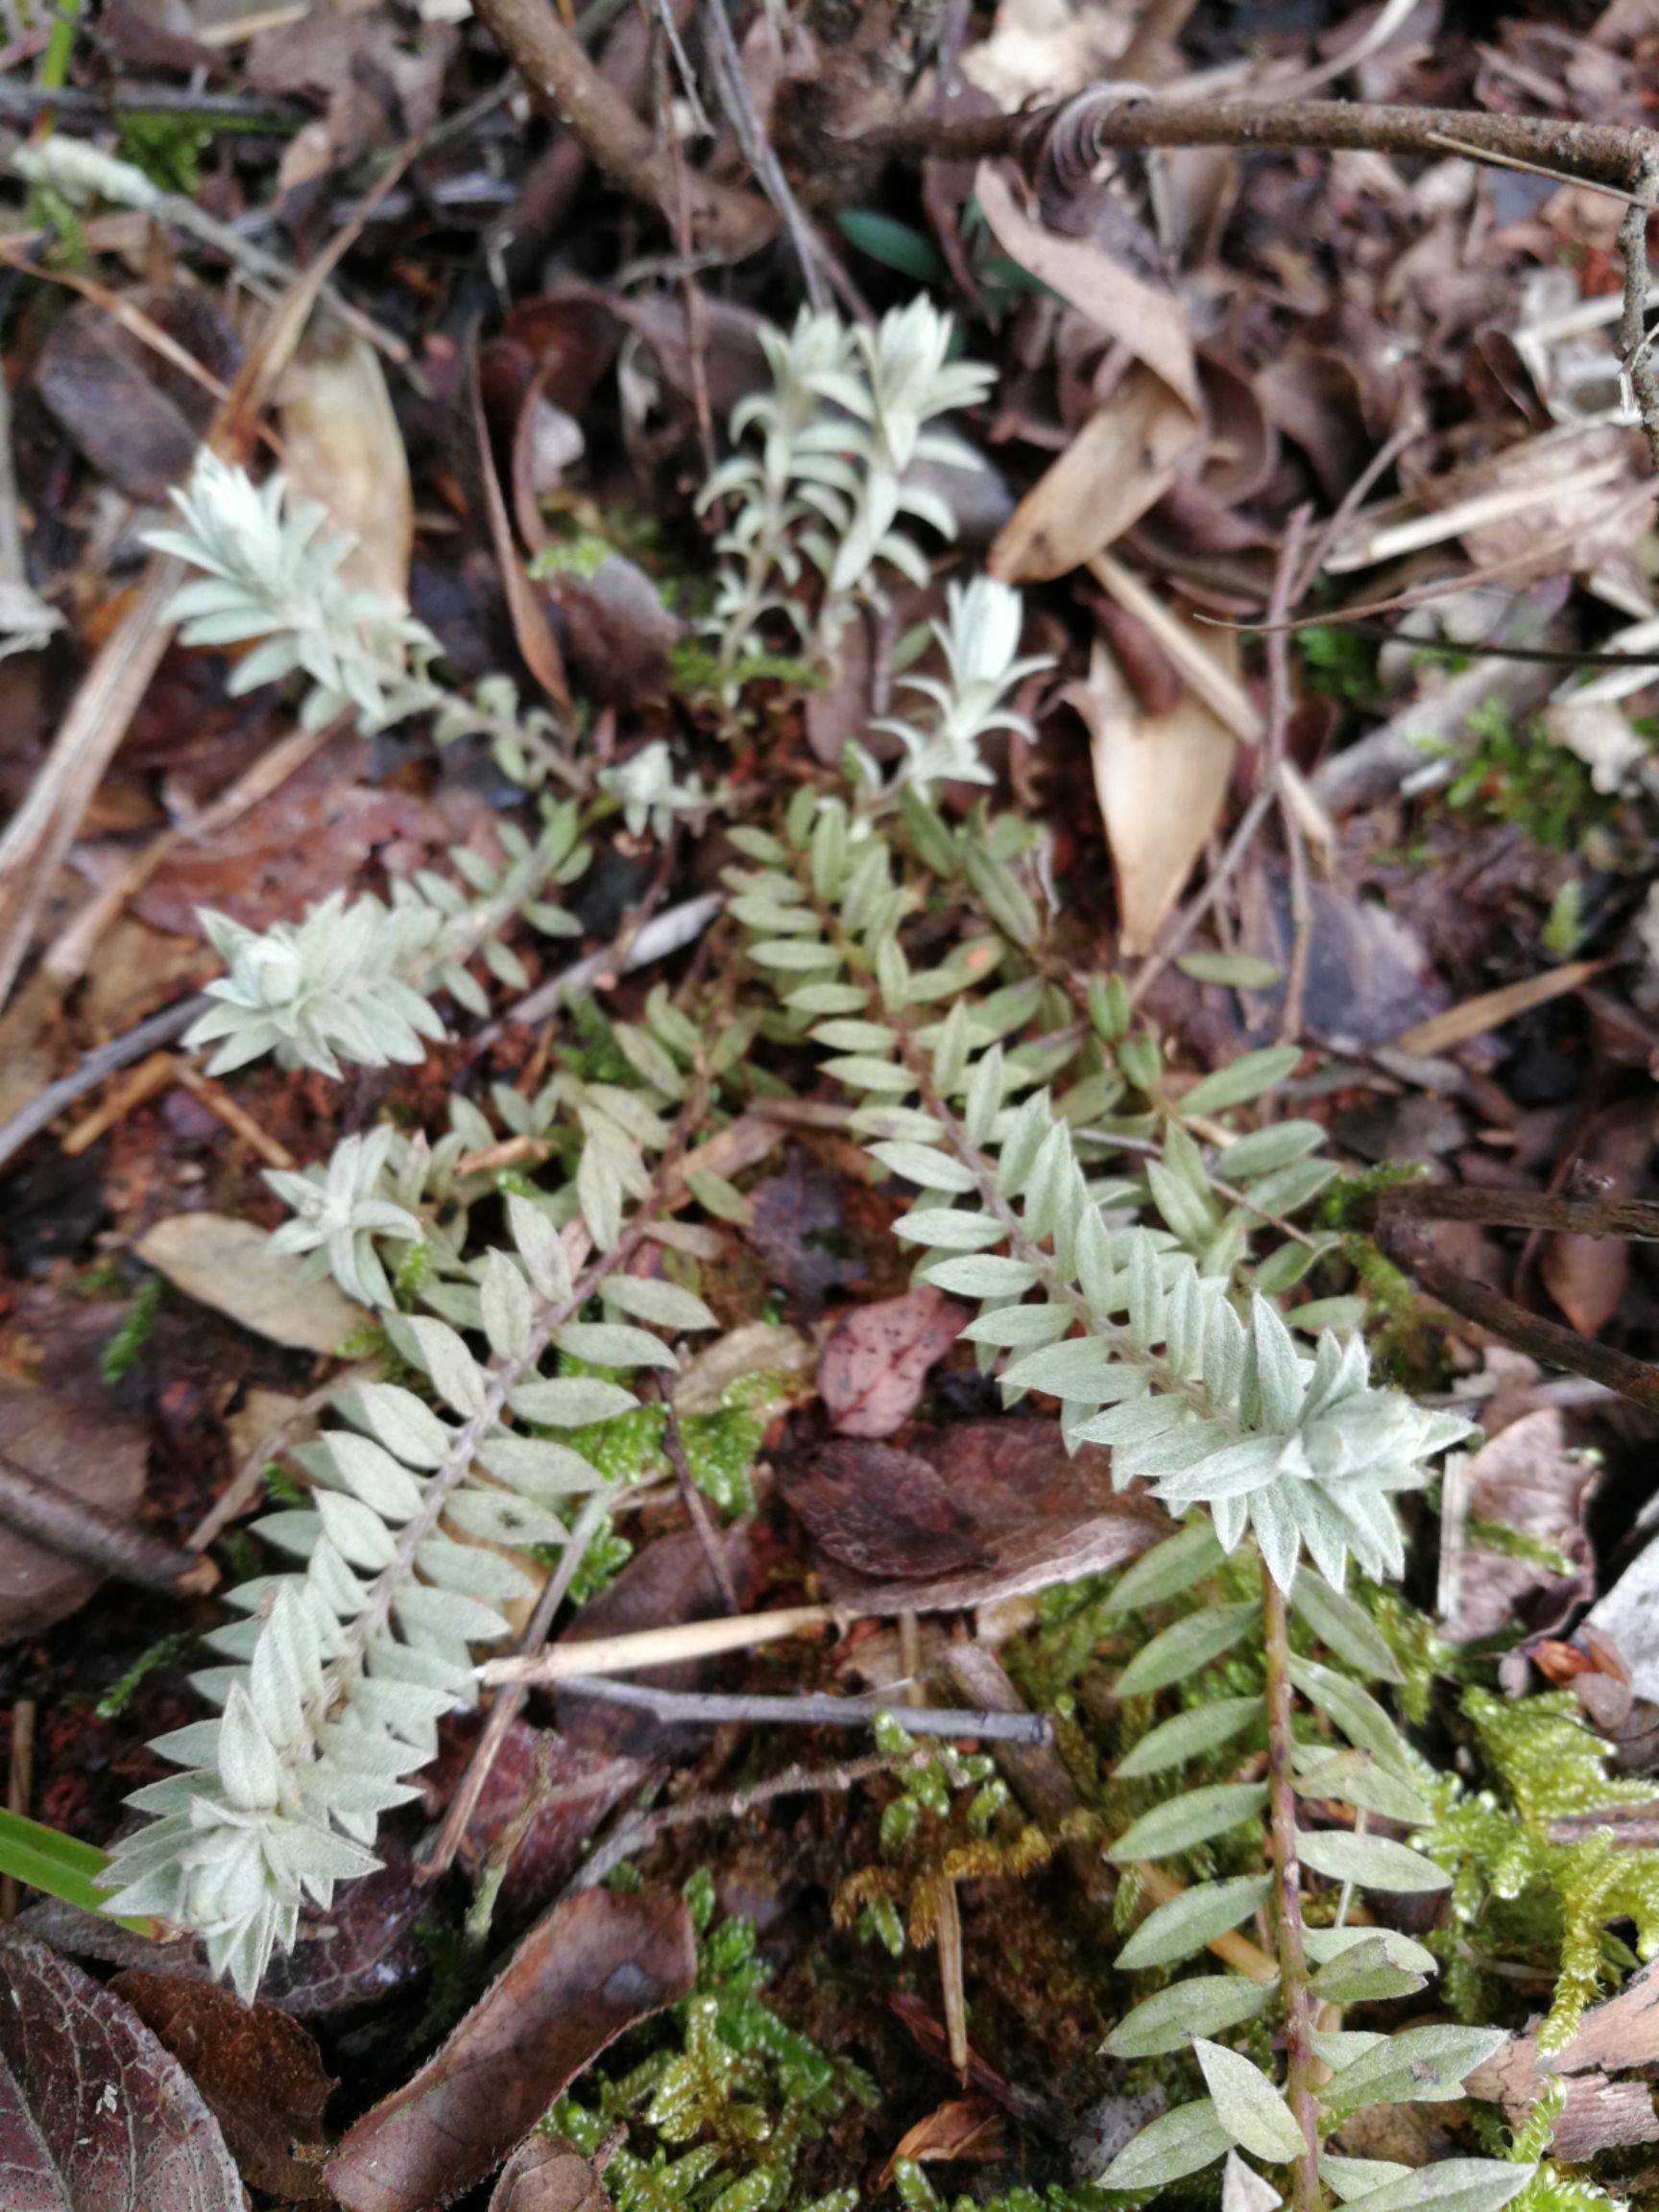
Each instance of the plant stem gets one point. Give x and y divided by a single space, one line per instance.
1307 2192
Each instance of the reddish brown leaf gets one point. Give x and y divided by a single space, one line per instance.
598 1964
875 1366
257 2069
545 2174
961 2128
94 1456
546 1791
95 2114
798 1223
531 629
981 1510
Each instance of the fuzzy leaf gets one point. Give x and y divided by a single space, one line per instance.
1344 1627
1190 1734
1202 2005
1250 1076
1187 1923
1174 2145
1450 2185
1175 1565
1194 1817
1372 1862
1184 1647
1247 2105
1418 2066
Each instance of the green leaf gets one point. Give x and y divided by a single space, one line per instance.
572 1402
60 1866
1174 2145
1186 1924
1190 1734
1194 1817
1344 1627
1372 1862
1354 1711
1450 2185
1247 2105
1356 1778
1351 2177
948 1228
1264 1150
927 1168
614 1344
1203 2005
1366 1972
1239 971
1247 1077
895 245
1175 1565
649 1298
1184 1647
1418 2066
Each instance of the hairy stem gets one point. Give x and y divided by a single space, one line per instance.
1307 2195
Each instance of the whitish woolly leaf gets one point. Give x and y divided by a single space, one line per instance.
407 1426
1186 1924
1083 1369
1373 1861
983 1275
1247 2105
925 1167
948 1228
614 1344
504 1302
1170 1568
1344 1627
572 1402
665 1305
1448 2185
540 1247
1190 1734
1418 2066
456 1375
1194 1817
1203 2005
1323 1944
1248 1077
1183 1648
538 1466
1178 2143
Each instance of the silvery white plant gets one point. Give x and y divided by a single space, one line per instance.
355 981
339 1674
1206 1404
271 580
979 639
842 431
650 795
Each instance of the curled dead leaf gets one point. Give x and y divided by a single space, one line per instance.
598 1964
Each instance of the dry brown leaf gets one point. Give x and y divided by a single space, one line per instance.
1124 307
532 631
1586 1275
1525 1481
1161 781
229 1264
257 2069
90 1456
979 1510
961 2128
1123 460
875 1366
341 448
597 1964
546 2174
95 2114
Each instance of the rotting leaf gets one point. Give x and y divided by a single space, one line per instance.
341 448
875 1366
229 1264
797 1225
961 2128
93 374
1123 460
92 1457
257 2069
546 2174
597 1964
95 2114
977 1511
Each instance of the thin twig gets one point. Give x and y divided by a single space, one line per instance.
1550 1342
1281 699
1637 1219
811 1710
1296 2003
658 1647
75 1530
695 1504
757 150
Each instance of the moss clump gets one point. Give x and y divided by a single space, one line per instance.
717 2112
